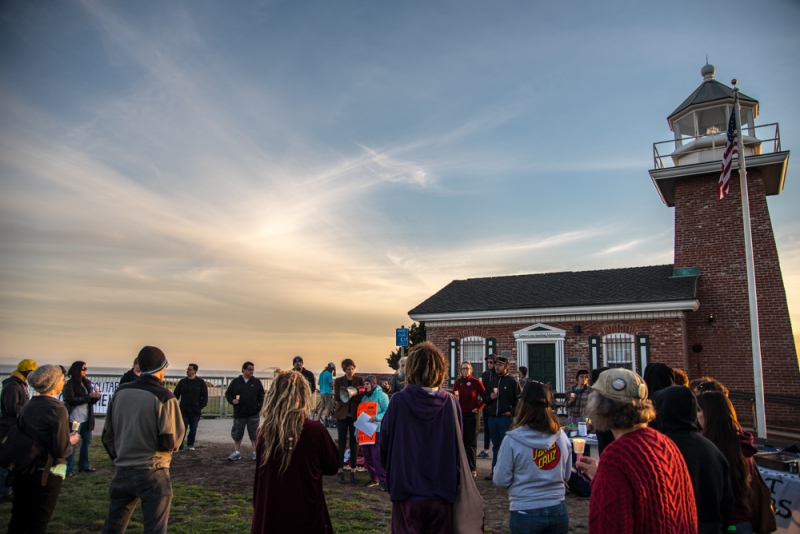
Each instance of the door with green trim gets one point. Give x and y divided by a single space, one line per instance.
542 363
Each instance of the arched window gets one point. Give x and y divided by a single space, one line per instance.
619 351
473 350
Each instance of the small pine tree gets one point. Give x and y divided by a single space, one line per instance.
416 334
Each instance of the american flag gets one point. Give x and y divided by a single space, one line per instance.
731 149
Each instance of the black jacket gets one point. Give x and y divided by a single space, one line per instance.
487 376
251 397
193 395
77 393
12 399
46 421
508 392
310 377
676 408
129 376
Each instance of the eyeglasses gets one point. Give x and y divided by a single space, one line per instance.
83 369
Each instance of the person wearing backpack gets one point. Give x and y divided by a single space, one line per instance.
44 420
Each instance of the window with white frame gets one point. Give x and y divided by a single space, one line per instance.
619 351
473 350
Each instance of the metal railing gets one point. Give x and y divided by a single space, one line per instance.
716 145
217 406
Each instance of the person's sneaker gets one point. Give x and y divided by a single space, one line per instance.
254 456
235 456
490 476
360 469
372 484
191 447
383 486
483 454
341 479
347 467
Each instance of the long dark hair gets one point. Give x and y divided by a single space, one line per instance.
75 371
722 428
535 412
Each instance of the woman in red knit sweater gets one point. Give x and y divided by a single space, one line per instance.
641 485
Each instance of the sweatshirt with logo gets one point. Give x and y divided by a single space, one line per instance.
535 467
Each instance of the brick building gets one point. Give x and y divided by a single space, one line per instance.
693 314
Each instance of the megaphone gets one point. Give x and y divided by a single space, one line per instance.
345 393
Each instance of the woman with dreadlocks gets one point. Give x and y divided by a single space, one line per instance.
293 453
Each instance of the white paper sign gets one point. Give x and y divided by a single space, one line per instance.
363 424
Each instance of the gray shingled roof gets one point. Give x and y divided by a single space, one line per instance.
709 91
585 288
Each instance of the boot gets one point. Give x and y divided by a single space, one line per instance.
341 478
352 477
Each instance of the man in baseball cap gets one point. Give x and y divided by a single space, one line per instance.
297 365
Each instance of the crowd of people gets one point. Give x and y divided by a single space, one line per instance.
672 455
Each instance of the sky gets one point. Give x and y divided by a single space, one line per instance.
238 181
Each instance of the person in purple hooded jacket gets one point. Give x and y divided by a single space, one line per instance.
420 423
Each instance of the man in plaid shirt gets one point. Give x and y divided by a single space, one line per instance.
578 398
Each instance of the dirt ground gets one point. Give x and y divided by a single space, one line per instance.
208 466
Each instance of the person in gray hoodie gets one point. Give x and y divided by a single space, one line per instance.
534 463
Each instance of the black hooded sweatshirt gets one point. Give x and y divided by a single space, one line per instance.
676 408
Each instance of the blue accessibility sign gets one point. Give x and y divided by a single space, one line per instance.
401 335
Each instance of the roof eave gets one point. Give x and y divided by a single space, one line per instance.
686 305
773 173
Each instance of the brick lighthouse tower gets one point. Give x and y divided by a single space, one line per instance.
709 239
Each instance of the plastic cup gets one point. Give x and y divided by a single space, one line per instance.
578 445
75 426
582 429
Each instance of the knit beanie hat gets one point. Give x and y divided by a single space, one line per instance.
26 365
151 360
46 378
372 380
621 385
581 372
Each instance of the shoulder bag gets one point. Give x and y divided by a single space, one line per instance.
468 516
21 455
763 520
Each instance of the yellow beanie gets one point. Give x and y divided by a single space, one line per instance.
26 365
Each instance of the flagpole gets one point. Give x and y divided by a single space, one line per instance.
755 337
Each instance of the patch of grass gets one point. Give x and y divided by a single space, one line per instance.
83 505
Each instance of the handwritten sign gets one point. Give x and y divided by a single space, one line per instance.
371 409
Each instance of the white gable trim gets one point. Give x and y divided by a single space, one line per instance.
550 334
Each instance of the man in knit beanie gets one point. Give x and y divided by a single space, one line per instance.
13 397
143 427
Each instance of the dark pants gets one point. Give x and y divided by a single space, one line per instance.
372 459
33 503
152 486
550 520
191 424
345 428
471 423
499 426
83 456
486 434
422 517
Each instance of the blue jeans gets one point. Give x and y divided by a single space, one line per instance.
550 520
498 426
83 457
4 490
191 424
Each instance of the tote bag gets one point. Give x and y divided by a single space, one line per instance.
468 509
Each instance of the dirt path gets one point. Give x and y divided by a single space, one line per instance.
208 466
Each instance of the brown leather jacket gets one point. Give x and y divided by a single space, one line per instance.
349 409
